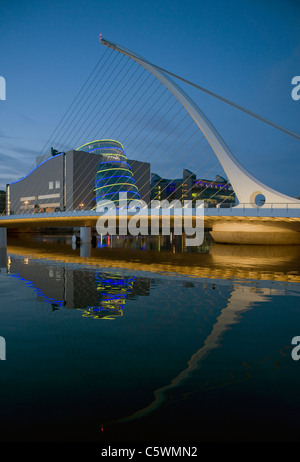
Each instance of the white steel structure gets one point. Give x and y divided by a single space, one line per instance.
247 188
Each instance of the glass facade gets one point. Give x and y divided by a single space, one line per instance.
114 175
212 192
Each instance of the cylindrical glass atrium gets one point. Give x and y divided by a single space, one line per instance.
114 175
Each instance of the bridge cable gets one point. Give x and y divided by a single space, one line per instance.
107 79
77 96
174 103
225 100
85 166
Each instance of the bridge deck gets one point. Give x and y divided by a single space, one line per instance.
210 215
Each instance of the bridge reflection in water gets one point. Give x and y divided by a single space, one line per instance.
161 254
190 306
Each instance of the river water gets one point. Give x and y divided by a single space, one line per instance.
144 340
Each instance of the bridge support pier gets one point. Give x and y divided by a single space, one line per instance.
259 233
3 238
85 235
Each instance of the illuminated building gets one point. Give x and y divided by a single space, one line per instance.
114 175
72 180
213 192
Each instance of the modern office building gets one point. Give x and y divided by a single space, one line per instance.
2 201
70 181
100 170
213 192
114 175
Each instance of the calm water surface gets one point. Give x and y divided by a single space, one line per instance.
140 340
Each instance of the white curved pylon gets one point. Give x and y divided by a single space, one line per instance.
245 186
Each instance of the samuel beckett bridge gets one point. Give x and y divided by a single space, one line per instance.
134 110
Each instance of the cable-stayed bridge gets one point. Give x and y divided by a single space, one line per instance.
129 99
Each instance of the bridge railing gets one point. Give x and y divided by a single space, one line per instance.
275 210
291 209
50 214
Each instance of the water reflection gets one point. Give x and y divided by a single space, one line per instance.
221 304
173 312
101 295
242 299
113 291
161 254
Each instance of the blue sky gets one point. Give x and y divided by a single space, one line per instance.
245 51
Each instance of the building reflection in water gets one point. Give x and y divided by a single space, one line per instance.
101 295
113 292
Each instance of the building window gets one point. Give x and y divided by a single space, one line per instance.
57 184
50 184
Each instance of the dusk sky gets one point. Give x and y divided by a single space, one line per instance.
246 51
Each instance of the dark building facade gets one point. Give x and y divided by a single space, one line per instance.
66 182
212 192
